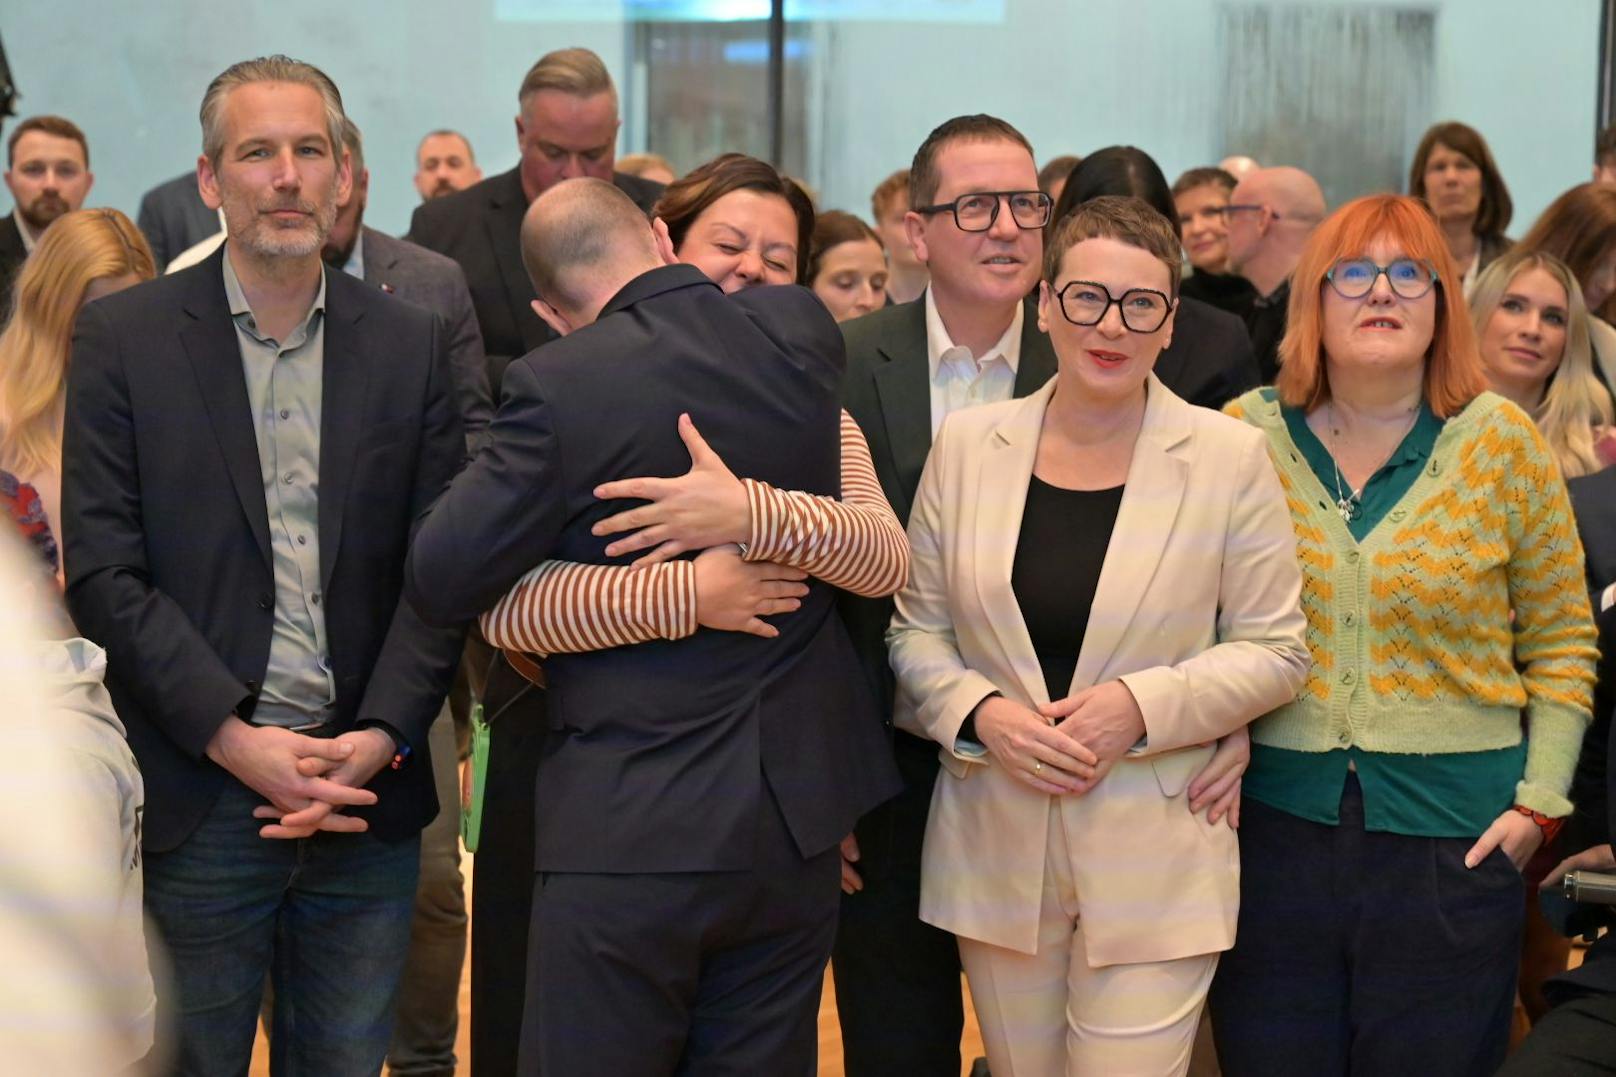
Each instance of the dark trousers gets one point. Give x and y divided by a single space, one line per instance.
502 897
710 973
1365 953
428 1006
897 979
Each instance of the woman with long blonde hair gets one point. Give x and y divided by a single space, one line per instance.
1533 331
82 256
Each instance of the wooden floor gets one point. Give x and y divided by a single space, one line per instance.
830 1038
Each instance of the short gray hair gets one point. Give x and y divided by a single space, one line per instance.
576 71
578 227
275 68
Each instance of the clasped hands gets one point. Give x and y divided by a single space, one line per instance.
1067 747
704 509
306 780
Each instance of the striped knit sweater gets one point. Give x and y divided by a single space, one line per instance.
1413 646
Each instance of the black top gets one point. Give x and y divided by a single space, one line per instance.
1266 323
1226 291
1059 555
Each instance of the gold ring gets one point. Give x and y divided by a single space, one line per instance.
1037 766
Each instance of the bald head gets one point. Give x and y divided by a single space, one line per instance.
582 240
1289 192
1239 165
1280 207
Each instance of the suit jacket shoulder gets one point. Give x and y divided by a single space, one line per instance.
644 192
383 250
1593 500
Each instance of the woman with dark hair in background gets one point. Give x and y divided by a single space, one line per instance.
1454 173
847 266
1199 195
1579 228
1210 360
740 221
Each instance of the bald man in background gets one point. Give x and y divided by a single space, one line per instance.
1269 218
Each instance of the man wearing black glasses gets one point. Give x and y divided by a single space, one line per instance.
1269 216
977 222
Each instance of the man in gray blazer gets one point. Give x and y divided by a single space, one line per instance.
173 218
418 276
429 992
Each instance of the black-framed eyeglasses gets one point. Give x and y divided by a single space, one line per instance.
1354 278
976 212
1225 210
1085 302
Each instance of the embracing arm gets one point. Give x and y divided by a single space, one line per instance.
565 607
498 518
856 543
1261 657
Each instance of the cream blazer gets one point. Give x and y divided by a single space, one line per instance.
1197 612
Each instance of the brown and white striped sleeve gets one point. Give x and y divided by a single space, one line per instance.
856 543
563 607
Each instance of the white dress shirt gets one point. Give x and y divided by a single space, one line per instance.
962 380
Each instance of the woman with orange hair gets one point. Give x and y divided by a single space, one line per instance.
1389 808
82 256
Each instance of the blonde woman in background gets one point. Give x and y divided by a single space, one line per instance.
84 255
1533 330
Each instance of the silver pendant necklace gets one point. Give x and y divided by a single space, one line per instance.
1349 502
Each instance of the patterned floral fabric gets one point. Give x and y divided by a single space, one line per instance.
22 505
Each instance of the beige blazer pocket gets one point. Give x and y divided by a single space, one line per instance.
1175 769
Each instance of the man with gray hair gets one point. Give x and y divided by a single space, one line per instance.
247 444
566 128
691 793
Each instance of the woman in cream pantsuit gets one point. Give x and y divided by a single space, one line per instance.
1104 582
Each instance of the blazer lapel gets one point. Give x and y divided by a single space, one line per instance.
215 354
344 382
903 386
1150 502
1005 468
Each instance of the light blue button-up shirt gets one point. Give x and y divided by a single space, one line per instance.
284 386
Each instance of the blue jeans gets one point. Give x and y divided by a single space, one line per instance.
327 917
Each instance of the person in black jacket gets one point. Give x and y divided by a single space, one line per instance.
691 794
567 128
247 445
1578 1035
1210 360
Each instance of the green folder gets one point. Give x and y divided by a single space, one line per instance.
471 811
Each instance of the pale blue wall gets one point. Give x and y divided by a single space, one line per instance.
132 76
1148 73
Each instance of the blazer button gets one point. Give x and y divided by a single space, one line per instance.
253 686
264 603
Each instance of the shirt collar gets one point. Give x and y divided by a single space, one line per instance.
1276 298
28 237
939 343
239 306
355 265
